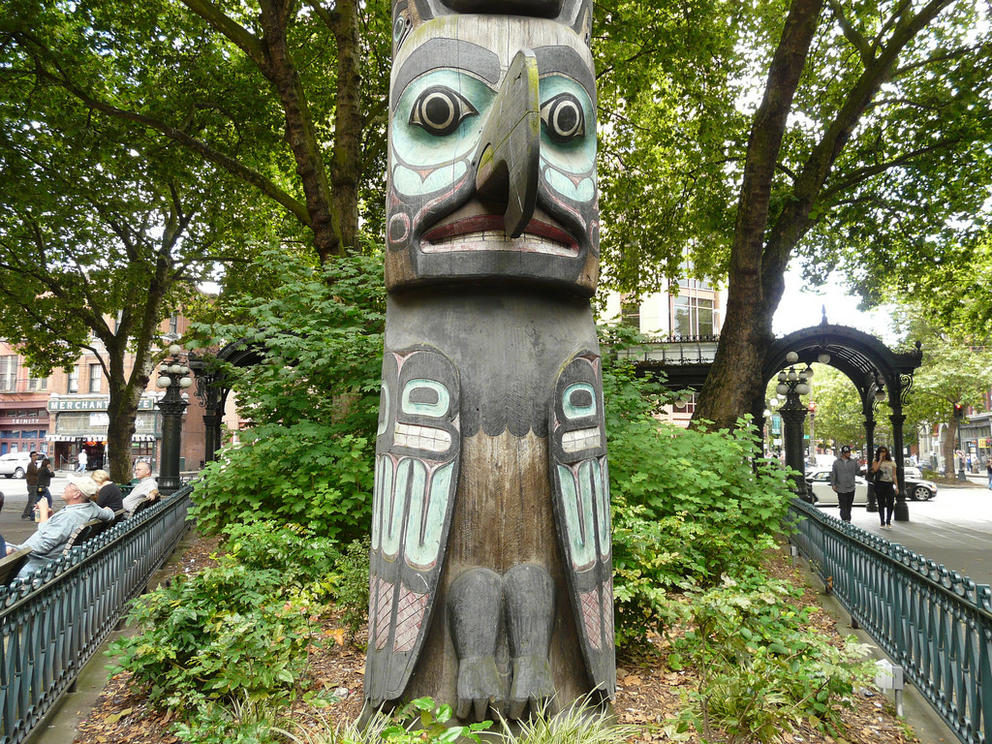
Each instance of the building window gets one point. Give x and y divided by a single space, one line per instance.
686 405
96 377
693 316
37 383
74 380
8 373
630 314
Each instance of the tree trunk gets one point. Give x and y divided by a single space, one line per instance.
281 72
735 379
346 165
947 445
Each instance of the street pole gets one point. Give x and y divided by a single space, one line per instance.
791 385
174 377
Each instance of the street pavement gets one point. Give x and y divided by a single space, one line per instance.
14 529
954 528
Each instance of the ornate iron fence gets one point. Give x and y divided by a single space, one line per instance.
934 622
53 623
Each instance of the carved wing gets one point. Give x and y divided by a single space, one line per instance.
417 448
581 483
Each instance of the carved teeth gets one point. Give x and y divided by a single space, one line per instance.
497 240
580 439
421 437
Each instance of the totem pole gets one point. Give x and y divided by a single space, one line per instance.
491 557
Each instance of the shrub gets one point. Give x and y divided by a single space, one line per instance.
314 400
761 670
224 634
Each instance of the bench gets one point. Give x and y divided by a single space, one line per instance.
86 531
11 564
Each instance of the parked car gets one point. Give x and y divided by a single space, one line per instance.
14 464
818 483
918 488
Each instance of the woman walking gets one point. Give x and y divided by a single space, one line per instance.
885 484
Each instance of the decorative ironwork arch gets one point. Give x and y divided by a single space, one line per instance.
866 362
212 385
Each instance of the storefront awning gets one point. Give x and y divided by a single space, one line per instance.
96 437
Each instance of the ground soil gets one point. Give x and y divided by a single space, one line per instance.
648 692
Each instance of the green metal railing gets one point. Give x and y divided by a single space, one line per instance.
55 621
932 621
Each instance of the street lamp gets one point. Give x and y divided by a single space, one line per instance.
174 377
791 385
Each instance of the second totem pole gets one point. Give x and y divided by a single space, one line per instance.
491 557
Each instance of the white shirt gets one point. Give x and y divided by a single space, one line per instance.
139 493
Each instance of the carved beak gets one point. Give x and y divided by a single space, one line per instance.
509 149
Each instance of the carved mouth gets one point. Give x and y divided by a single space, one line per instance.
421 437
580 439
486 233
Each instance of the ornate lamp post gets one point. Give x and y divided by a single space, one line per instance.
791 385
174 377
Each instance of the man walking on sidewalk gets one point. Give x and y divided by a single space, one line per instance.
842 481
31 476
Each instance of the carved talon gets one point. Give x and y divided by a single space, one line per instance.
532 684
478 687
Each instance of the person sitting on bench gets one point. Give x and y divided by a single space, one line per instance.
54 530
145 490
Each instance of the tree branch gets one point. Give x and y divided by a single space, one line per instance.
858 41
235 32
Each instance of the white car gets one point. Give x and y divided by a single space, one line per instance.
819 482
917 487
14 464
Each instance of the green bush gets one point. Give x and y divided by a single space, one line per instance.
227 633
688 505
313 400
762 671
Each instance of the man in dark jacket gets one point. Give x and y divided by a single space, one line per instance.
31 476
842 481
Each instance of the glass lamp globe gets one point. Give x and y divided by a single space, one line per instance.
175 369
791 358
163 381
823 358
880 395
807 373
782 389
802 388
792 375
175 349
185 382
781 376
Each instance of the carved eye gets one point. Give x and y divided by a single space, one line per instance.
439 110
579 401
425 398
563 118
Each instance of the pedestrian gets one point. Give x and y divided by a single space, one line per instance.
842 481
883 470
988 469
108 495
31 477
45 475
81 460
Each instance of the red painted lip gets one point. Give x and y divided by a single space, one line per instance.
494 223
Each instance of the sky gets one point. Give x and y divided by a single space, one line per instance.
802 307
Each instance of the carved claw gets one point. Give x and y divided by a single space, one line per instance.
532 684
478 687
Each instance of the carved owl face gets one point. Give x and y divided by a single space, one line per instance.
492 145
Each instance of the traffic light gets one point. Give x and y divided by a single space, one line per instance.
812 407
958 410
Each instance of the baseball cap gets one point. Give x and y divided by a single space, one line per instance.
85 484
845 449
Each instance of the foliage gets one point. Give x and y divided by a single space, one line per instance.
313 400
351 583
103 235
577 724
423 720
762 671
287 99
227 632
688 505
